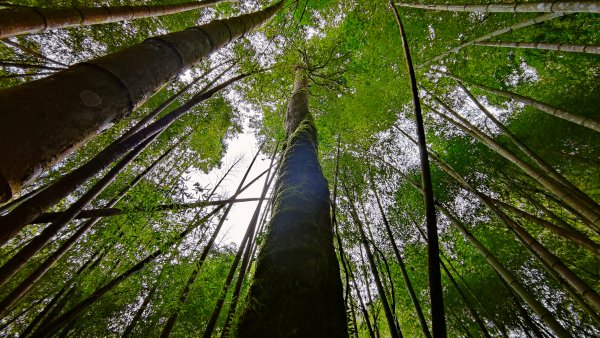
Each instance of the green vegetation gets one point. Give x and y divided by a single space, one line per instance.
537 215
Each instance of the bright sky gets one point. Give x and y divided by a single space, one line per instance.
243 146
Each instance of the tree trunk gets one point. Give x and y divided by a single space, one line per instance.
28 65
526 23
546 108
65 110
30 209
394 331
563 47
297 289
438 321
138 314
518 7
28 20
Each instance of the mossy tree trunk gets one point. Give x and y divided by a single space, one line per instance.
297 290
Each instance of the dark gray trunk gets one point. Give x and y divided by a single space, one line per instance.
297 291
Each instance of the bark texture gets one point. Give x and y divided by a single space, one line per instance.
516 7
63 111
297 291
563 47
27 20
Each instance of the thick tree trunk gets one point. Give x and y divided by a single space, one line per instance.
30 209
63 111
297 291
394 331
546 108
438 321
516 7
526 23
563 47
27 20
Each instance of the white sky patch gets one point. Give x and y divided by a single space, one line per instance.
244 146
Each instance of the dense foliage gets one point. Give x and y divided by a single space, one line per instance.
360 97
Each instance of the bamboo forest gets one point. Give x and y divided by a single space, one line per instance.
299 168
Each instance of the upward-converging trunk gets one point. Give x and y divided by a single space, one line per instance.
27 20
297 291
563 47
516 7
63 111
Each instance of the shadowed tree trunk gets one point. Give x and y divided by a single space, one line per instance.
436 295
27 20
526 23
65 110
563 47
516 7
297 291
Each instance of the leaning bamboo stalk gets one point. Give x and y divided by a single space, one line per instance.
32 52
526 23
400 261
250 235
68 316
32 208
22 256
28 20
65 110
110 212
545 315
592 215
569 233
516 7
562 47
394 331
535 158
546 108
